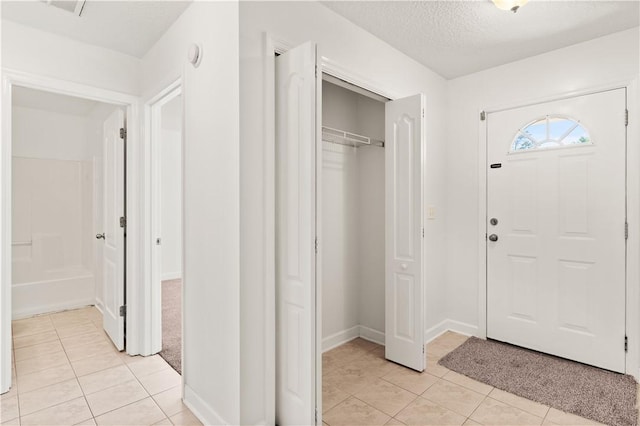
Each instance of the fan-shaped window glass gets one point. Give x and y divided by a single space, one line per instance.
551 131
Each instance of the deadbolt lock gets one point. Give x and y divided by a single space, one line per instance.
493 221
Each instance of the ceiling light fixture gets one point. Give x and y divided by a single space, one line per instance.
512 5
73 6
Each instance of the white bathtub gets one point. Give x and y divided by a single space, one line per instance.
50 290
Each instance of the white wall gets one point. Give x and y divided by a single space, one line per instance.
171 189
211 364
47 134
363 54
171 204
340 269
607 60
340 266
33 51
371 237
352 220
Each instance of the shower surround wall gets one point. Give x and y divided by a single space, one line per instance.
55 188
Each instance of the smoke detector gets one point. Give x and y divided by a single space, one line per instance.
72 6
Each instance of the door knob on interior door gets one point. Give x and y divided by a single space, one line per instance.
100 236
493 237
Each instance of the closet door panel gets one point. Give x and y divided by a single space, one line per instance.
295 235
404 289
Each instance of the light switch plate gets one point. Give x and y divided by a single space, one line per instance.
431 212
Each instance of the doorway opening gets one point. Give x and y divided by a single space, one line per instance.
349 232
166 176
68 195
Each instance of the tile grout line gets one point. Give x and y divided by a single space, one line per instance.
164 412
76 377
476 409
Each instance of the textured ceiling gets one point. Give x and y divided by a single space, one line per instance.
454 38
130 27
53 102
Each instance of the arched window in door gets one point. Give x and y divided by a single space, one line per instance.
551 131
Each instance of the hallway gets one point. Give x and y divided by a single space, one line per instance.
66 372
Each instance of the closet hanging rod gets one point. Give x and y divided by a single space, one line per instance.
342 137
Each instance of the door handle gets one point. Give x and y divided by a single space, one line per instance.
493 237
101 236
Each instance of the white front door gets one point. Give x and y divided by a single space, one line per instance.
404 289
295 235
556 228
114 233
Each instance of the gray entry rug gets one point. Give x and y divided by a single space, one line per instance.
569 386
172 323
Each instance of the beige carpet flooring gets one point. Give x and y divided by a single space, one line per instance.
172 323
570 386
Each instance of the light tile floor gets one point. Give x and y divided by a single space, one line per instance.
361 388
66 371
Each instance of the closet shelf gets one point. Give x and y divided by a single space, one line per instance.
347 138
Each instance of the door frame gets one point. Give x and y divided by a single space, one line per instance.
273 46
632 272
12 78
152 113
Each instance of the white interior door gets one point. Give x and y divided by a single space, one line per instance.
404 289
295 235
556 273
114 234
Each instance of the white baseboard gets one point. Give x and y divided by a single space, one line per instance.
376 336
171 276
349 334
450 325
340 338
99 305
372 335
201 409
50 308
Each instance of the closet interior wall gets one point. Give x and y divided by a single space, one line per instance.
352 220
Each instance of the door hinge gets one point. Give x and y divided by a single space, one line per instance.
422 112
316 416
626 230
316 71
483 115
123 133
123 222
626 117
626 344
123 310
316 245
422 232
